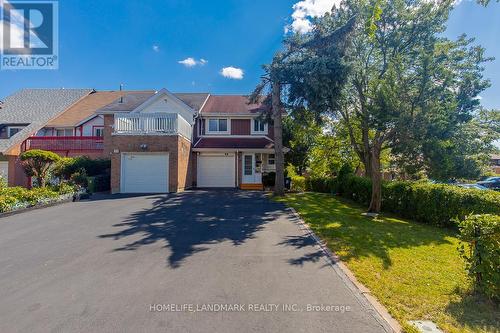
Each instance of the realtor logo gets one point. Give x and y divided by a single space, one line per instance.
29 34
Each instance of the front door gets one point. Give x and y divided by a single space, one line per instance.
248 169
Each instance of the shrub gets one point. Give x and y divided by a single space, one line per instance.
66 167
437 204
37 163
80 178
482 255
18 197
298 183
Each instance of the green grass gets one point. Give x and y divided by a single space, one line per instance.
413 269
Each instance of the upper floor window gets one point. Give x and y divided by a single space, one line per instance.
259 126
13 131
99 131
270 159
64 132
217 125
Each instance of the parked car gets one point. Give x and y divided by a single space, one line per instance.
476 186
493 183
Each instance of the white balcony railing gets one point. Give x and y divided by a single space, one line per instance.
152 123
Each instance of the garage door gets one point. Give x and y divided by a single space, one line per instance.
144 173
216 170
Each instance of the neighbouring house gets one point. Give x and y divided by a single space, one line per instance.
495 163
59 120
164 142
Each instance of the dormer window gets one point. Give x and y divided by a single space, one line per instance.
218 125
259 126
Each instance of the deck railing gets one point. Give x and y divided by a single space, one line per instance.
152 123
64 143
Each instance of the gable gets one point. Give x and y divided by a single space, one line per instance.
165 102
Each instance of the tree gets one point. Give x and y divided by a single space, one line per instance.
278 75
300 133
406 84
38 163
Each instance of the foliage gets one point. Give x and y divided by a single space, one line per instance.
482 254
403 86
268 179
437 204
38 163
80 178
12 198
70 165
413 269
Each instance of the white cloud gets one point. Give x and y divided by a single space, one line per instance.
306 9
191 62
156 48
16 30
232 73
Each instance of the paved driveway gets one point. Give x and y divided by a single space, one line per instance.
165 263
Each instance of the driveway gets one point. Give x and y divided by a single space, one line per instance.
201 261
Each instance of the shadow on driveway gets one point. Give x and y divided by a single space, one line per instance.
189 220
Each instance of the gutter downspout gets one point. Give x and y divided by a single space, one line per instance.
237 169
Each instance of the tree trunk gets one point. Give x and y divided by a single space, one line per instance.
279 186
41 181
376 177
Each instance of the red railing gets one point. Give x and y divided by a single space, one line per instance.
64 143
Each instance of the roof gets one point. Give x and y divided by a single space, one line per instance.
132 100
35 107
235 143
86 108
495 156
231 104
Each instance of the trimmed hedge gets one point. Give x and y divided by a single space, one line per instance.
437 204
482 254
12 198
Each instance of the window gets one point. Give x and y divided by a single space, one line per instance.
217 125
64 132
259 126
270 159
98 131
14 130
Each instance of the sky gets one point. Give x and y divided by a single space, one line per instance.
201 46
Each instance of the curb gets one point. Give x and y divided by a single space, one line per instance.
362 293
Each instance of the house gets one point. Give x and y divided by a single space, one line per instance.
495 163
164 142
23 114
59 120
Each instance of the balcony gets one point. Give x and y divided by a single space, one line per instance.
151 124
64 143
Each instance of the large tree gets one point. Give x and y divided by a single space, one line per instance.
407 84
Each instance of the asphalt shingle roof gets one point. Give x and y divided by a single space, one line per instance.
133 99
35 107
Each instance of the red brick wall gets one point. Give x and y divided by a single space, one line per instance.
17 177
179 149
240 126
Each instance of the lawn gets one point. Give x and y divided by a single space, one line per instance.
412 268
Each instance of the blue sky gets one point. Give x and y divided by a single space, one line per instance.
140 43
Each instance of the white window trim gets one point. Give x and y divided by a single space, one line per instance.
207 125
269 158
20 128
252 128
64 129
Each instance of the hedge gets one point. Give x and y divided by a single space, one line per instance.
437 204
482 254
12 198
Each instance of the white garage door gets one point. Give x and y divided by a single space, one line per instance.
144 173
216 170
